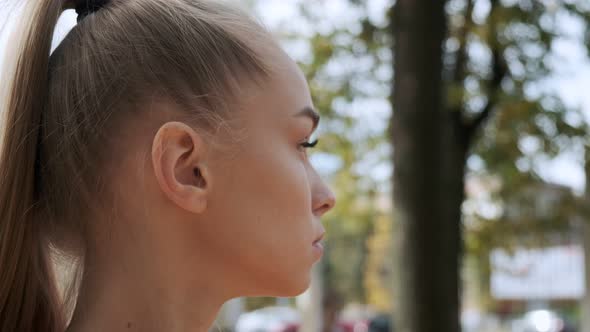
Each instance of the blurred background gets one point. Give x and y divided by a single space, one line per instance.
456 136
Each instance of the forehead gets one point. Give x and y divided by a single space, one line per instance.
283 93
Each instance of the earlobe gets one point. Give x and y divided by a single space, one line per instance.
178 159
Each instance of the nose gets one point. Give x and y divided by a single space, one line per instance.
323 198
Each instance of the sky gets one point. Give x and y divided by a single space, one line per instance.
570 80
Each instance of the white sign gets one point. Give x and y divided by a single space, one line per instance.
538 274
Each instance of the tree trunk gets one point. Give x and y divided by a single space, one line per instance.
428 176
585 303
585 321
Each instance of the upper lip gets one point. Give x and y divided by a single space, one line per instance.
320 237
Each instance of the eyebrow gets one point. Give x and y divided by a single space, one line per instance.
311 114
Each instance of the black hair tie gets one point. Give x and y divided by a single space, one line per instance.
85 7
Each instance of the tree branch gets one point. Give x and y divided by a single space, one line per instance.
458 75
459 72
499 71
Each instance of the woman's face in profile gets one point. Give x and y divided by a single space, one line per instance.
266 200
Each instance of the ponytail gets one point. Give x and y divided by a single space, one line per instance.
29 299
60 118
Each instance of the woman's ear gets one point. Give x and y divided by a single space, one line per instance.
178 158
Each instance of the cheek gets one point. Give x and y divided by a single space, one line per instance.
278 205
269 184
264 205
284 187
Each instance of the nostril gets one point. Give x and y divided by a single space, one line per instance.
325 208
327 204
323 198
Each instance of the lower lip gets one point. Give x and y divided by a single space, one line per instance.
318 248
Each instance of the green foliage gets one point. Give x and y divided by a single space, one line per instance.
379 277
497 57
527 125
347 67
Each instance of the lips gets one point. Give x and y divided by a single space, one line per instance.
318 247
319 238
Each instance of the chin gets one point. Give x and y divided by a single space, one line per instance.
296 291
287 287
297 287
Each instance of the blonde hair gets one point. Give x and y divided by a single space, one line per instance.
62 107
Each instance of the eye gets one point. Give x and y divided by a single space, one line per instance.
307 145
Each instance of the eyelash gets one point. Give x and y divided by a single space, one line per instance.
308 145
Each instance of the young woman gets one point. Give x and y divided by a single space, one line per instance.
164 142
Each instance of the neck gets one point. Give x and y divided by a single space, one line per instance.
121 297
